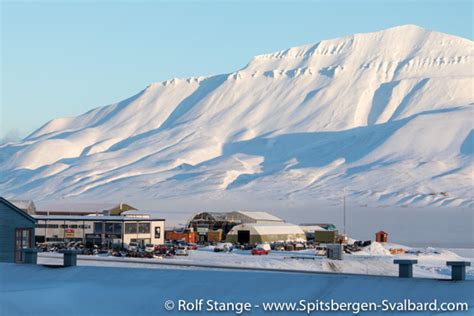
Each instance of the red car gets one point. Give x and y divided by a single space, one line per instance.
259 252
192 246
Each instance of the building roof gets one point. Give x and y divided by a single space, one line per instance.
269 228
16 209
86 208
234 217
96 218
214 216
219 216
312 228
120 208
260 216
326 226
77 213
26 205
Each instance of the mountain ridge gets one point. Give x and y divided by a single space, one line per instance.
386 86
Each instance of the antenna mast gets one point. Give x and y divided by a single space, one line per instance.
344 209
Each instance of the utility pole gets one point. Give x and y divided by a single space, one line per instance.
344 209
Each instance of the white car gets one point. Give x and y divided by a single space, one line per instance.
264 246
133 246
149 248
223 247
181 251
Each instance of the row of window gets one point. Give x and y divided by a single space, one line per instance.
108 228
116 228
62 226
134 228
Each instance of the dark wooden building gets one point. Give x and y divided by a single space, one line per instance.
381 236
17 231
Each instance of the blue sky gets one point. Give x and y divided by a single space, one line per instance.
62 59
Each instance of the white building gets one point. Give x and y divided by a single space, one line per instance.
265 232
254 217
103 230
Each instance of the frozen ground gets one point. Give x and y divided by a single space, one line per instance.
82 290
373 260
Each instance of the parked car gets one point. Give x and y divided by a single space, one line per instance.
247 246
149 248
264 246
223 247
320 251
146 254
103 253
133 246
279 248
192 246
299 246
259 251
181 251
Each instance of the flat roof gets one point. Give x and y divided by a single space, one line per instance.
96 218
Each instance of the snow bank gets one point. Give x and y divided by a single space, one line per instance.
375 249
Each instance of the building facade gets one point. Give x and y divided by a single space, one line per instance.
16 232
206 223
266 232
102 230
186 235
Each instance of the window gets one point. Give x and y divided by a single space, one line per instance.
22 240
54 239
130 228
98 228
109 228
141 242
117 228
144 228
73 226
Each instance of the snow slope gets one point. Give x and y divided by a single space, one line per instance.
386 115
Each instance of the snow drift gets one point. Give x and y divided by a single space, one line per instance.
386 115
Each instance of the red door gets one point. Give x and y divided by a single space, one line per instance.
23 239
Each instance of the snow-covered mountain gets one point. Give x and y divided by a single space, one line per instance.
386 115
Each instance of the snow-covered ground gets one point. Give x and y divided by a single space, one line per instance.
39 290
372 260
